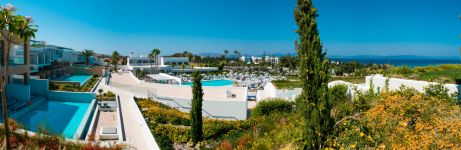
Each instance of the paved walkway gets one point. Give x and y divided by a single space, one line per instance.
133 131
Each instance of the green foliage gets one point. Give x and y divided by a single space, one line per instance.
115 58
271 106
169 125
196 111
439 91
108 96
447 73
140 73
314 73
399 119
87 54
287 84
289 62
341 100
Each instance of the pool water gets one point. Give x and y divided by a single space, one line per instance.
76 78
59 118
212 83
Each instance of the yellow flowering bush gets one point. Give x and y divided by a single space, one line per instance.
404 119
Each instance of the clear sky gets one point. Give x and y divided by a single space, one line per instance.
347 27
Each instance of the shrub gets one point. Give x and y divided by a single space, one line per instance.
402 119
108 96
342 104
269 106
338 93
438 91
179 134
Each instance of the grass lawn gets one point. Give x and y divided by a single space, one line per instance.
449 75
287 84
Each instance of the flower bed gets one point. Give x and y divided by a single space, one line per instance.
108 96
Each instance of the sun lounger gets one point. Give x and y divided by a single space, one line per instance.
17 106
108 134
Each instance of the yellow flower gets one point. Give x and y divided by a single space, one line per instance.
361 134
353 146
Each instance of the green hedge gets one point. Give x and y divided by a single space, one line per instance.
270 106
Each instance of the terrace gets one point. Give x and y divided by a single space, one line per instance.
107 117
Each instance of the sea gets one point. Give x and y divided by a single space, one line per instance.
410 62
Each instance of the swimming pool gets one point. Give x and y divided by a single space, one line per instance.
57 117
212 83
75 78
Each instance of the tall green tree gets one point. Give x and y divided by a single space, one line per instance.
196 130
115 59
313 102
87 54
12 27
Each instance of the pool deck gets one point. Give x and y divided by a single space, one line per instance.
106 120
133 131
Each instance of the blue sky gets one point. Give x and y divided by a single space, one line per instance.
355 27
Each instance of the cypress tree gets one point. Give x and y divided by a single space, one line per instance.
196 111
313 102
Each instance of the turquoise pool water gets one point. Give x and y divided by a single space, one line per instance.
212 83
61 118
76 78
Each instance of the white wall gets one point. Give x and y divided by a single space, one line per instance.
379 82
152 144
269 92
231 110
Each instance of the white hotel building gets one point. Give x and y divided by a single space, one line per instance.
165 64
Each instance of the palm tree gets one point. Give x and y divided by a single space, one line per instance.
236 53
225 53
115 58
151 56
87 54
154 55
12 27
